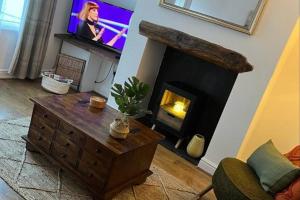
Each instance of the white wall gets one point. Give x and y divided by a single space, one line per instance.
278 116
105 77
262 50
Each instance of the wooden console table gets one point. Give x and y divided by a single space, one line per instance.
106 51
76 137
97 58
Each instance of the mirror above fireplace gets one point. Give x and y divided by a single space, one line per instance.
240 15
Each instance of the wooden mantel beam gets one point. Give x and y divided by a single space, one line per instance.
216 54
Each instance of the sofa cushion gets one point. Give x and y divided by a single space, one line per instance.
274 170
293 191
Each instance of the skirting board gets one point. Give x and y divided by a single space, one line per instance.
207 166
5 75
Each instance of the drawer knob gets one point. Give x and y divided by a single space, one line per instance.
98 151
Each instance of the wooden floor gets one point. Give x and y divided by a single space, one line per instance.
14 103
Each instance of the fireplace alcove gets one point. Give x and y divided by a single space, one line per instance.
200 75
202 66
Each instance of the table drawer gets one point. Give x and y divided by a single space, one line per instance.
64 155
90 176
65 143
45 116
96 149
42 128
72 133
100 167
37 139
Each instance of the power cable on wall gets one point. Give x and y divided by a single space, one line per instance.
111 67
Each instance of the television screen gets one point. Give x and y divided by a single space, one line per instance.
100 22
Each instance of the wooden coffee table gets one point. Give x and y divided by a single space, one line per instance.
76 137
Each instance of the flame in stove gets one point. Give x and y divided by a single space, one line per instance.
178 107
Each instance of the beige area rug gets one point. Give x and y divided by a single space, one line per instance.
35 178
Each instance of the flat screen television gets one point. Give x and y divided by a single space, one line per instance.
100 22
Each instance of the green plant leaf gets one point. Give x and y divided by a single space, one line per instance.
129 95
119 101
115 95
130 81
118 88
135 80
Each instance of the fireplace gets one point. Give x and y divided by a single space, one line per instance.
177 108
192 87
188 98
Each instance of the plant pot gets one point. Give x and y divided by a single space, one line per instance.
119 128
196 146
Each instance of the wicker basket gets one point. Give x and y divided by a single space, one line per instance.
50 83
71 68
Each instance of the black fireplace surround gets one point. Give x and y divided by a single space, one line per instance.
207 78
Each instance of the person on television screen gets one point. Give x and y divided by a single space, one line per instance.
89 28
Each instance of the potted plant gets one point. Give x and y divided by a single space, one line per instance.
128 97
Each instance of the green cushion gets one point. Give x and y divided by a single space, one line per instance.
274 170
235 180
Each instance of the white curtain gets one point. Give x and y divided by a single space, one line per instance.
12 18
33 42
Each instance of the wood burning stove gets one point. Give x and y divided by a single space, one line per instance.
177 109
